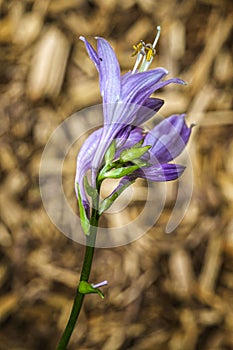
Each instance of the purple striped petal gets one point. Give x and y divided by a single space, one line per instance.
160 173
161 84
123 135
168 138
91 52
152 105
136 88
109 70
134 136
109 73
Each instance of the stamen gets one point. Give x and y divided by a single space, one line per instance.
145 53
100 284
150 52
139 49
138 60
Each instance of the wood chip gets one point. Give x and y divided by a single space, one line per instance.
182 274
48 65
212 265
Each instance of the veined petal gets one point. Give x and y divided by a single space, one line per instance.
161 84
168 138
123 113
152 105
123 135
91 52
108 67
135 135
109 70
136 88
136 114
160 173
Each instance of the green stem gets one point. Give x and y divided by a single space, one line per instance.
85 273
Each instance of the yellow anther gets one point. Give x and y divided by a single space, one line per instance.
138 48
150 52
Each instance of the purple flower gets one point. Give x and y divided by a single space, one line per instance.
124 100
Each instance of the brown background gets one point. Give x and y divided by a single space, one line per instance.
165 291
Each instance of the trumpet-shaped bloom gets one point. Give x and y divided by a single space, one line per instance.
124 100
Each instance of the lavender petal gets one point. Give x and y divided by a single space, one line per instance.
91 52
168 138
109 70
136 88
152 105
161 84
160 173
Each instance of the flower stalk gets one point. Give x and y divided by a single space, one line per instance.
84 277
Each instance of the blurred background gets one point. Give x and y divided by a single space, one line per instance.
165 291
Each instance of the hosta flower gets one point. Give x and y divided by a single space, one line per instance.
124 97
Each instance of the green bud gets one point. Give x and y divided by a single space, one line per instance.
90 190
110 153
118 172
87 288
132 153
141 163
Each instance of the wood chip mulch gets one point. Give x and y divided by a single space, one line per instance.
166 291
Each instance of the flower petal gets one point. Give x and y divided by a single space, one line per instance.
136 88
109 73
152 105
159 173
168 138
91 52
109 70
161 84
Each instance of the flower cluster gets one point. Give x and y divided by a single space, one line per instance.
121 148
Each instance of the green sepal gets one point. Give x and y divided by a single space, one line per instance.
138 144
118 172
132 153
86 288
110 153
141 163
91 191
85 223
108 201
